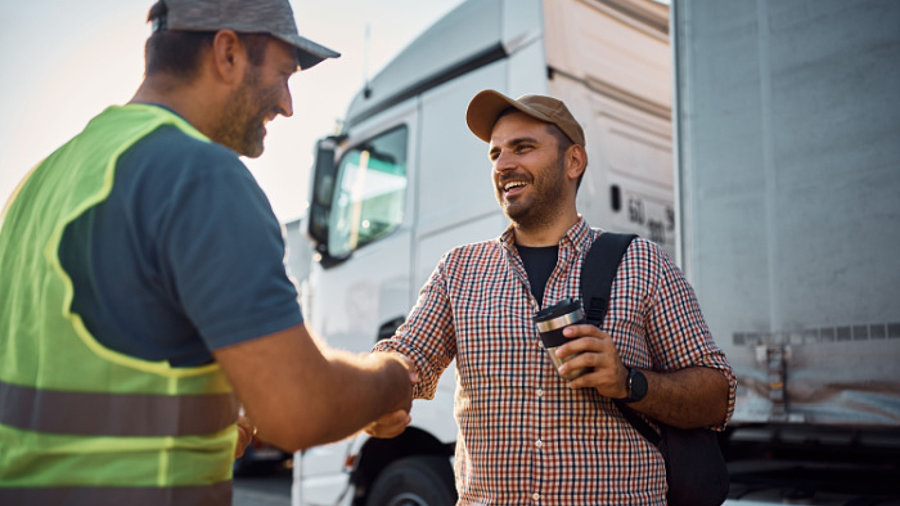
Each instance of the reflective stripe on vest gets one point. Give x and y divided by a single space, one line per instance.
208 495
103 414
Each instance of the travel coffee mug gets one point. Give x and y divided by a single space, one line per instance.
550 324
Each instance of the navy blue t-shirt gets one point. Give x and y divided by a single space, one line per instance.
184 256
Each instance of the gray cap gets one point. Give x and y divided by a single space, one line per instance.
274 17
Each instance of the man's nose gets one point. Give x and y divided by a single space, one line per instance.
286 103
503 163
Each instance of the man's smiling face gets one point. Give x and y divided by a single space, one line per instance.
528 171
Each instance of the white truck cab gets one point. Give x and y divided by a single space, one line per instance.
405 181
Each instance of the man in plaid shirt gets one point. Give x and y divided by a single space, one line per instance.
526 435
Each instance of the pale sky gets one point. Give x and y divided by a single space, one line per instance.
65 61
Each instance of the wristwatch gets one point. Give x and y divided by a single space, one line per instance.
635 386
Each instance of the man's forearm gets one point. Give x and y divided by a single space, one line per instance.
368 386
689 398
300 394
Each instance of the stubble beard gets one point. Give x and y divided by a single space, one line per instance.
545 205
241 125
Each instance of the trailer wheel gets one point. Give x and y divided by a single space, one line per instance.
414 481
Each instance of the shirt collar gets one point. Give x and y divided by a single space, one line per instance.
578 236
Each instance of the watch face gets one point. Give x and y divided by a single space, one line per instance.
638 383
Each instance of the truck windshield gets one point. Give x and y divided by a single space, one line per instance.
371 192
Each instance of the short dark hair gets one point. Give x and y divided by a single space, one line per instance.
177 52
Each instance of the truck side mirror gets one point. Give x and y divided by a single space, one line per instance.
322 192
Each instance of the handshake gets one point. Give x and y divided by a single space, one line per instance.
347 392
394 423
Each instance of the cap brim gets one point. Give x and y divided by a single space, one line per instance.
483 111
309 53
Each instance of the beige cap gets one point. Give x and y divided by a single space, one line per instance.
486 106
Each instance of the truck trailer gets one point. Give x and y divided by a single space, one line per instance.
787 127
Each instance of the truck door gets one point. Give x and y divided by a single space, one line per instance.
362 279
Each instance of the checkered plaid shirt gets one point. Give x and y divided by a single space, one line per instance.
524 437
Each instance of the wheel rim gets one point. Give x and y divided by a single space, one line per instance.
407 499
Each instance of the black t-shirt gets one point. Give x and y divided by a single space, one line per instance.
539 264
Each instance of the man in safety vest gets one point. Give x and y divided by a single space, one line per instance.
143 294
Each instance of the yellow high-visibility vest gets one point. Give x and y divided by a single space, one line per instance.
81 423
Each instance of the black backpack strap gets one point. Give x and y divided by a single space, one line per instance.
597 275
599 271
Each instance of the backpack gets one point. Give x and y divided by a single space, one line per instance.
695 469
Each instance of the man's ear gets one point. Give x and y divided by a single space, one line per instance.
229 56
576 161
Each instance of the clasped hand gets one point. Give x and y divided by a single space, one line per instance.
395 422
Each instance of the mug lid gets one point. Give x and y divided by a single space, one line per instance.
563 307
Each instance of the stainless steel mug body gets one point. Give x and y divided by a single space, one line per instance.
550 324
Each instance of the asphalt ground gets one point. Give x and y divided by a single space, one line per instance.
265 488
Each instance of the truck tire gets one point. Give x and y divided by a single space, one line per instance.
414 481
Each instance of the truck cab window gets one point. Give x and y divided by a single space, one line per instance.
371 192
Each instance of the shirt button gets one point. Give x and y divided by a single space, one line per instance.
536 496
539 443
540 392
